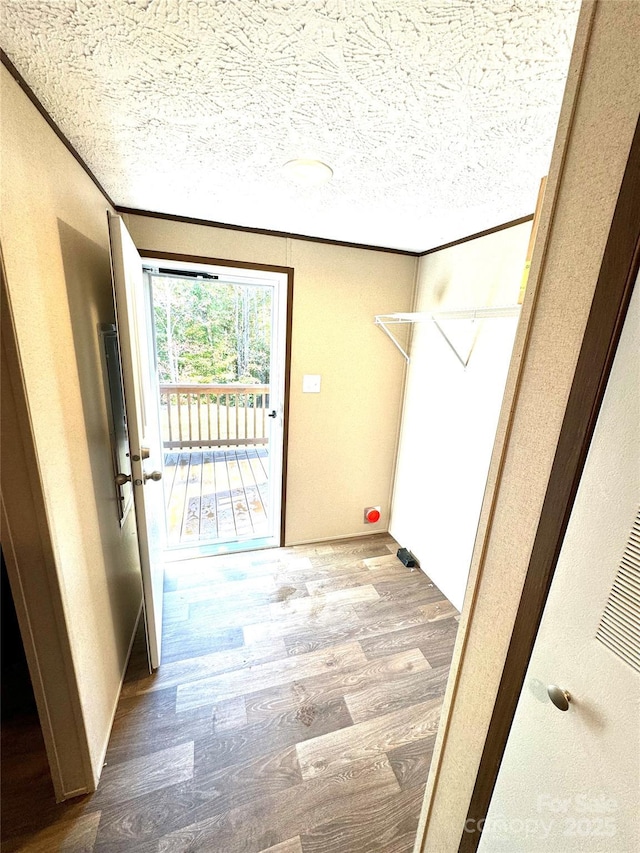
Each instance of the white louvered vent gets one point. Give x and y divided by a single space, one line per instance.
619 628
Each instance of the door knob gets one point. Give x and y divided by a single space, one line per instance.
273 414
121 479
154 475
560 698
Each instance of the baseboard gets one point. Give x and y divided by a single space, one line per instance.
376 532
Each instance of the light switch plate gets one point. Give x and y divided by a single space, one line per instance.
311 383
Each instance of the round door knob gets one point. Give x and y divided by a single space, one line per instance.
121 479
560 698
154 475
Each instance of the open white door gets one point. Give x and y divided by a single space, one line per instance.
140 394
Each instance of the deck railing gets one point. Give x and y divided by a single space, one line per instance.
213 415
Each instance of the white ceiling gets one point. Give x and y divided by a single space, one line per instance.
437 116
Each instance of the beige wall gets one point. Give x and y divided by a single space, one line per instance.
597 122
56 256
451 412
342 442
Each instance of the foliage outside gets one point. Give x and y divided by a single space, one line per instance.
211 332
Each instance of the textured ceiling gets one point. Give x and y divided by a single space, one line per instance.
437 116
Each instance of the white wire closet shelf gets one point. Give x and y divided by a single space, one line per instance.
481 313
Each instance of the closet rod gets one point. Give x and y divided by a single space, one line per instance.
482 313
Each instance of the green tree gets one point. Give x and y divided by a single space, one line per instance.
211 332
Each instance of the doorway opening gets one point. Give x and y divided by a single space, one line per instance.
220 345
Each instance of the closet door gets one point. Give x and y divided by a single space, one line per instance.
569 779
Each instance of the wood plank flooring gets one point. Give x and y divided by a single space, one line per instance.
216 495
295 712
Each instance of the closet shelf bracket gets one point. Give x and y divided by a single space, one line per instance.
483 313
383 321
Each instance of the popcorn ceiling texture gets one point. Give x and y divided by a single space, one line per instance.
437 118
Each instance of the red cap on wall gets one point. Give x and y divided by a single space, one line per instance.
373 515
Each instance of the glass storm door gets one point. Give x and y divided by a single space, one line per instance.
220 337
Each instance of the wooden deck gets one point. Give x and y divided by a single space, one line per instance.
216 495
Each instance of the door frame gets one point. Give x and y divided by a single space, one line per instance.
288 272
618 272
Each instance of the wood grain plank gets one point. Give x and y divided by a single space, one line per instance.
128 779
221 587
208 506
312 610
257 460
363 547
206 666
387 826
387 696
309 638
176 610
332 752
191 517
139 823
278 732
228 787
383 561
390 607
333 685
294 559
67 836
216 495
224 499
168 476
287 669
352 556
251 828
411 762
229 715
439 610
295 624
291 845
257 513
249 603
314 605
403 588
435 640
232 617
143 722
345 579
239 500
270 674
175 511
183 640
